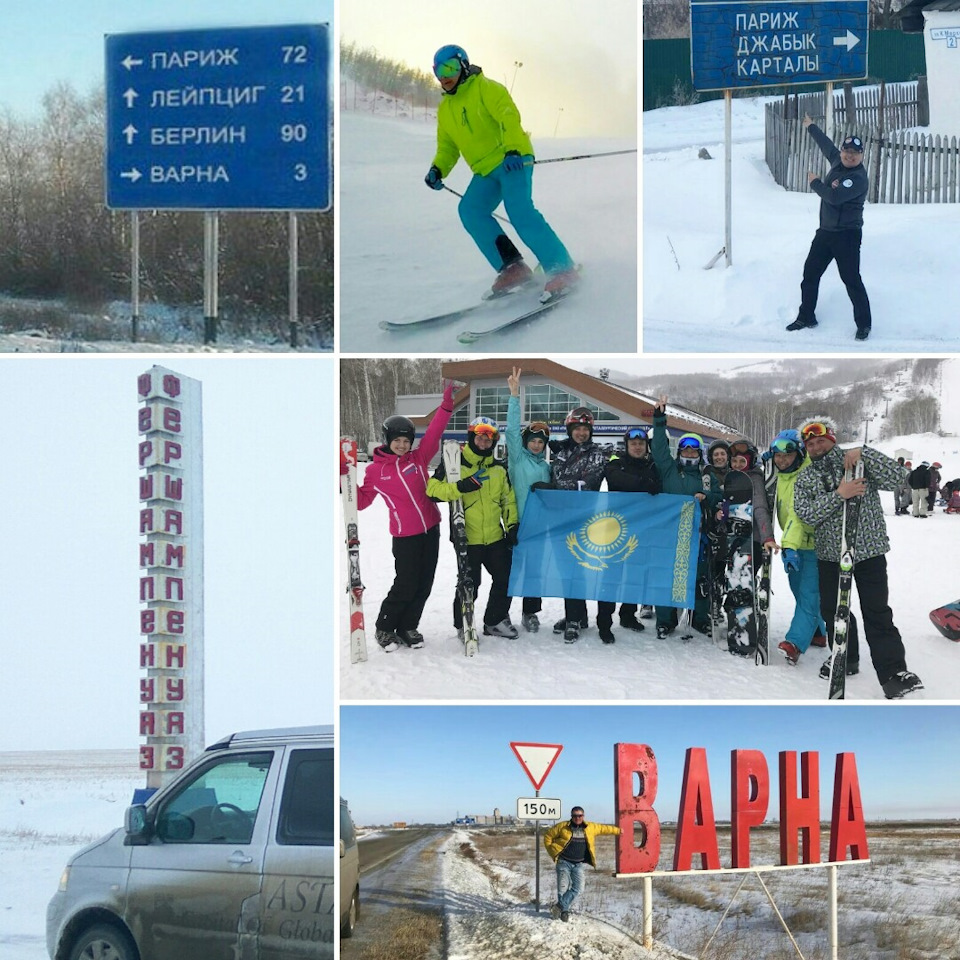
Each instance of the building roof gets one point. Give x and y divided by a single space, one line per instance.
604 392
911 13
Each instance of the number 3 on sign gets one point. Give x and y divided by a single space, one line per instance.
300 171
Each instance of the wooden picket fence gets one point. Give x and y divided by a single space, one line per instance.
904 166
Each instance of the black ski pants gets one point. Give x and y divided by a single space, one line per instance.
844 247
883 638
416 563
495 558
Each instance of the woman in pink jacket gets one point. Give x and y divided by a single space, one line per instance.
399 473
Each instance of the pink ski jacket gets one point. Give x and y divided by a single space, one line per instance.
402 481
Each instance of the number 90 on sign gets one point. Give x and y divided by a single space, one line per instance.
538 808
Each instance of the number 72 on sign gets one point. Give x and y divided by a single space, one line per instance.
538 808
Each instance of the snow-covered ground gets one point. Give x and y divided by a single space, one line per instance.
745 308
405 255
484 881
52 804
638 666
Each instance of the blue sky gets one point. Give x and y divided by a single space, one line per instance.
46 41
427 764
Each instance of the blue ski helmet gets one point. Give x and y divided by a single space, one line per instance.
448 58
786 441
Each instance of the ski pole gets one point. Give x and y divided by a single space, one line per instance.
460 195
584 156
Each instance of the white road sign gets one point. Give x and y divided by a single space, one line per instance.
538 808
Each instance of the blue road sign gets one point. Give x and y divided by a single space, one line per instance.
219 119
753 43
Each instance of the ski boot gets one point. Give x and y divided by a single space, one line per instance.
560 284
606 633
411 638
530 622
512 276
790 651
571 632
853 668
503 629
630 622
901 684
561 625
388 640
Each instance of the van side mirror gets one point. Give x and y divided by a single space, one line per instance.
137 825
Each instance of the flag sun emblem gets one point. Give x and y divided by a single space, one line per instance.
602 540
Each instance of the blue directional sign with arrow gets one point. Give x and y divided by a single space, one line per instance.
218 119
752 43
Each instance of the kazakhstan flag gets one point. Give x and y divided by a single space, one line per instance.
624 547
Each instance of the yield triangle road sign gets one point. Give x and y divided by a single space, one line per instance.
537 759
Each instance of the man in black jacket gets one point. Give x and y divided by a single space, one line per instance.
842 194
919 480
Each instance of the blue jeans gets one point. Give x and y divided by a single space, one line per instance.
805 584
569 876
483 196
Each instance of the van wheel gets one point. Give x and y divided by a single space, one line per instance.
104 942
346 931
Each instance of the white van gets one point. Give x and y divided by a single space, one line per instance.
233 860
349 873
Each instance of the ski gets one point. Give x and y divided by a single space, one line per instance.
466 590
739 579
947 620
841 620
348 496
763 609
443 318
472 336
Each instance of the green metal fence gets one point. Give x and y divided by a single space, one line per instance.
893 56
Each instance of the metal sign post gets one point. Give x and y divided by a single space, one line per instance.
211 269
537 760
134 275
294 279
739 44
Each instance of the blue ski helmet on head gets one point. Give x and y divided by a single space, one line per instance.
450 61
786 441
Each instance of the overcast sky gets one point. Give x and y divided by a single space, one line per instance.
580 59
69 602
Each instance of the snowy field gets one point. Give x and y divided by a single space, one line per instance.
905 899
51 805
924 573
746 307
405 255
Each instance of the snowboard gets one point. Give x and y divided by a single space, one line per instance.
947 620
466 589
738 578
716 556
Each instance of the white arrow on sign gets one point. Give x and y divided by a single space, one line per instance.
130 131
132 175
129 62
849 41
537 759
130 95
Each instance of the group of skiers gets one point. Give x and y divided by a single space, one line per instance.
918 494
803 490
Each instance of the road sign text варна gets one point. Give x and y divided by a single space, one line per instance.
217 119
752 43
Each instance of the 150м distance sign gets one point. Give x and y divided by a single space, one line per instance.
752 43
234 118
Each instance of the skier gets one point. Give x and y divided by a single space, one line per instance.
718 464
798 553
479 121
934 488
633 472
819 496
681 475
842 194
903 495
526 465
578 464
919 480
491 521
399 474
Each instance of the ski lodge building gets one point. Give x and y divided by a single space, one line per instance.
548 392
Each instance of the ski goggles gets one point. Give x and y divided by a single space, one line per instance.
817 429
852 143
783 445
740 449
447 69
691 442
637 434
485 430
539 427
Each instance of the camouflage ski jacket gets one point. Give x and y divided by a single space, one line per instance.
816 502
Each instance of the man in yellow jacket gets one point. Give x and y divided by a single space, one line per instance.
571 845
490 518
478 120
